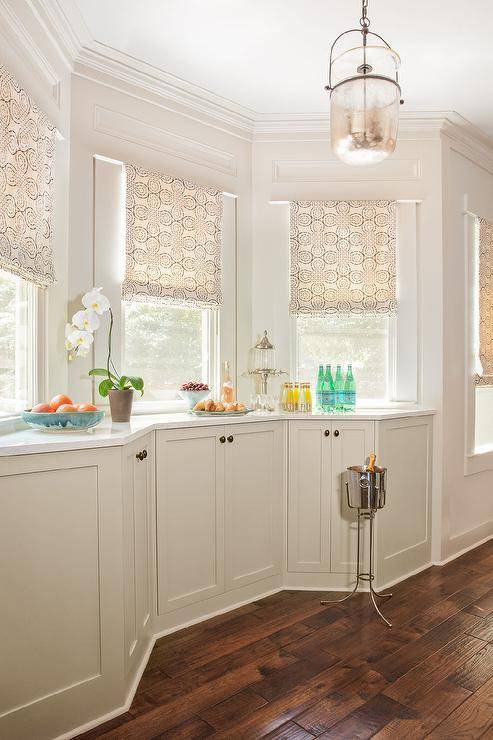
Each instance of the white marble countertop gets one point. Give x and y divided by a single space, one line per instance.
22 440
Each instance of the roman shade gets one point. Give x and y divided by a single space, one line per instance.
485 288
27 156
173 240
342 257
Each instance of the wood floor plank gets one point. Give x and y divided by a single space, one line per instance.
484 630
192 729
287 668
368 719
232 709
423 677
476 671
431 709
289 731
337 705
396 665
472 719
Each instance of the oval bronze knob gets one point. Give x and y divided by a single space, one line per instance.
327 432
140 456
230 438
222 440
336 433
144 454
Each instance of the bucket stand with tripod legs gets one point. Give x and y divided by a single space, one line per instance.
366 492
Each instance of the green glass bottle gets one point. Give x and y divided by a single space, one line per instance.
328 391
350 391
320 386
339 390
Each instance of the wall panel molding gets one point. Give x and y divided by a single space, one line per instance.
331 170
136 131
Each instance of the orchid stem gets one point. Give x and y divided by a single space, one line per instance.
109 360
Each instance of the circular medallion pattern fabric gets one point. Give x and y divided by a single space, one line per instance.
485 301
342 257
27 156
173 240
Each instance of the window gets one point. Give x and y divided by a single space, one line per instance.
360 340
166 345
17 300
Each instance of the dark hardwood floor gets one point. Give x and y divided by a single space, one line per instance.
286 667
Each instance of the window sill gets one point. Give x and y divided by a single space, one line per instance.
479 461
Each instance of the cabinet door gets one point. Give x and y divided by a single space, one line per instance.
190 516
309 497
253 502
138 464
352 441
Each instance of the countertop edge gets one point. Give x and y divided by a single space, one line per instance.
30 441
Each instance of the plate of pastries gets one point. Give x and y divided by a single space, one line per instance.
219 408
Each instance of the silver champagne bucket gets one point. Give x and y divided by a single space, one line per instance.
365 489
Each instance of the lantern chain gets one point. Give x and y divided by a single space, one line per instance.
364 20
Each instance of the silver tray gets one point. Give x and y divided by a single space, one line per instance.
221 413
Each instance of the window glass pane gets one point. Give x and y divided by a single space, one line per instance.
164 345
16 344
362 341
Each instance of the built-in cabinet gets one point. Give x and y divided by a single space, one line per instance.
138 492
321 527
104 548
219 510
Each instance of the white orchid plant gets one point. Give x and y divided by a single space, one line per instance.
79 336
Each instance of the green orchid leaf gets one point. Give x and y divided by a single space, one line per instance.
137 383
105 386
103 372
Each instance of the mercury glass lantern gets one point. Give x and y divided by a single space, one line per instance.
264 358
364 95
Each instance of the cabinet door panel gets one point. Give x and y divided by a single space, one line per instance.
309 497
350 447
253 506
404 525
137 492
190 516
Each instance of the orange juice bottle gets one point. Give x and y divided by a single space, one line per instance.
296 396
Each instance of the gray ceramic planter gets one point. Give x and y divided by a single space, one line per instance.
121 404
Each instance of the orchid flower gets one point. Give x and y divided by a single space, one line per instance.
96 301
80 338
87 320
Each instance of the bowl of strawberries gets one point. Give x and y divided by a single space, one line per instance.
194 391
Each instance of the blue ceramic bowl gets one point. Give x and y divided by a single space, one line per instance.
70 422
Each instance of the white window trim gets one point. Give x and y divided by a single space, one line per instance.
109 267
403 329
35 299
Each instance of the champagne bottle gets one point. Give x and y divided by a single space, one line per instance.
228 391
339 390
350 391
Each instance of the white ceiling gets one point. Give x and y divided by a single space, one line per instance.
270 56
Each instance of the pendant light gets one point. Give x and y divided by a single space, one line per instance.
364 95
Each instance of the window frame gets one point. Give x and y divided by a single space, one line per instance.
403 359
109 267
35 312
391 363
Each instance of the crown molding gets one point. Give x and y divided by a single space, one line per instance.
106 65
16 34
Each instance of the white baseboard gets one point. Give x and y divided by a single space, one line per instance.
464 549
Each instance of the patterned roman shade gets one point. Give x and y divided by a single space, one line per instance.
173 240
342 257
485 301
27 154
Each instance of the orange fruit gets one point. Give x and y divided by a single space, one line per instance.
66 408
86 407
43 408
57 401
